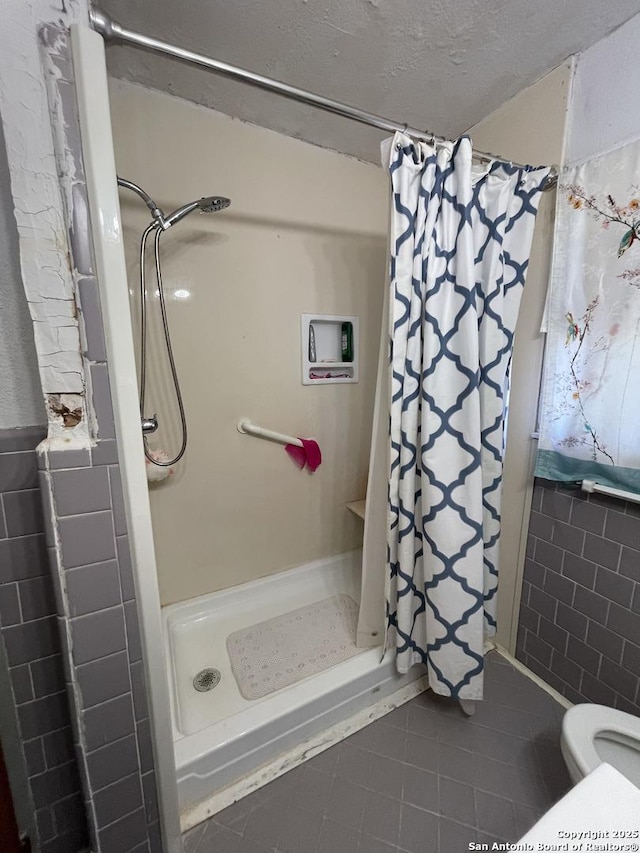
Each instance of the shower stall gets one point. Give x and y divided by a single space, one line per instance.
236 535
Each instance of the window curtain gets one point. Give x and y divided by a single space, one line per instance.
460 242
590 406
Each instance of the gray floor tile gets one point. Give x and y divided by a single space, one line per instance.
325 762
501 779
386 740
280 790
420 788
459 764
457 801
337 838
423 779
382 817
504 747
227 841
421 752
425 721
525 817
441 704
236 816
374 845
499 718
212 838
353 764
550 763
418 830
312 791
191 839
397 717
455 837
530 790
263 826
496 816
386 776
300 831
461 733
364 738
346 803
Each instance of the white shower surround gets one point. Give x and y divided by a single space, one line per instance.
282 730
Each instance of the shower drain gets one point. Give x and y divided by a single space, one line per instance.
207 679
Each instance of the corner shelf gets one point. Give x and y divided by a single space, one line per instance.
328 367
357 507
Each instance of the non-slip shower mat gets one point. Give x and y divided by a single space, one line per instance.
276 653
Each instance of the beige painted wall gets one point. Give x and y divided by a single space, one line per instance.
306 233
529 128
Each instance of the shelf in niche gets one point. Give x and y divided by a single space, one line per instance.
329 364
328 367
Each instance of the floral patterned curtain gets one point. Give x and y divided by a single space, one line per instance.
590 410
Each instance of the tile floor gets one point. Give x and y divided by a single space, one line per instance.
423 779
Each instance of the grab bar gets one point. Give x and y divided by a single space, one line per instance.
245 426
592 486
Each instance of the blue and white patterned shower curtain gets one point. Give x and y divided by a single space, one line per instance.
460 242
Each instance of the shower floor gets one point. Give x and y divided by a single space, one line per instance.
220 737
197 632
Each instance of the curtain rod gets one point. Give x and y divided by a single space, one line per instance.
110 30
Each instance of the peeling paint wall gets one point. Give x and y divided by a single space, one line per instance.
40 208
604 112
20 388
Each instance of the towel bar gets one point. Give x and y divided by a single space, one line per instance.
245 426
592 486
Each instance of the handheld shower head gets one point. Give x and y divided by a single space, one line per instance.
213 203
209 204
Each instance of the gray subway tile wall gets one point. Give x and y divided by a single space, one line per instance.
85 553
93 559
29 631
105 646
580 609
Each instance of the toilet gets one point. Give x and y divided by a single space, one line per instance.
592 734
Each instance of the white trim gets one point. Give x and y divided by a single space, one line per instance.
623 495
106 227
527 503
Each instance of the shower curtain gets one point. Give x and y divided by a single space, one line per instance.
590 408
460 242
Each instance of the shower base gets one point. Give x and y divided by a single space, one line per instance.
221 738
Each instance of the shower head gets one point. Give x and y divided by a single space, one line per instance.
209 204
213 203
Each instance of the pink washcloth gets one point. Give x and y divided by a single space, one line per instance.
309 454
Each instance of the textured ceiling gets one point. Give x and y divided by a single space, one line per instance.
441 65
